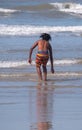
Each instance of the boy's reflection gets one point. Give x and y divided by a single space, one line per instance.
44 107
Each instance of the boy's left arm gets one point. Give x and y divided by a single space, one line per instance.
51 58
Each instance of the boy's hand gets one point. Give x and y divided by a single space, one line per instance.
30 61
52 69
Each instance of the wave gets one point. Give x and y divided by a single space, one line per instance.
65 7
34 8
28 30
68 7
14 64
33 75
4 10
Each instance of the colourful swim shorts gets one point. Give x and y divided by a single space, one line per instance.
41 59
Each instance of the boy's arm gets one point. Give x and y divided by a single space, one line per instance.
31 50
51 58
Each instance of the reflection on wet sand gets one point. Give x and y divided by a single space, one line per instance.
44 107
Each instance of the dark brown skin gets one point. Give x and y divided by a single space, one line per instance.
42 45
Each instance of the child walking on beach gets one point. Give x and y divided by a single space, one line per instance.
42 56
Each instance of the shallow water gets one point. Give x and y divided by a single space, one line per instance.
41 106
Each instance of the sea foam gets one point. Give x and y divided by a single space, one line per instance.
68 7
14 64
28 30
4 10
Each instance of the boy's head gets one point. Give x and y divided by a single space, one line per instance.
45 36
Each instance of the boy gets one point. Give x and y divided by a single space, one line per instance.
43 54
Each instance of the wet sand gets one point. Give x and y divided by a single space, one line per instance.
30 105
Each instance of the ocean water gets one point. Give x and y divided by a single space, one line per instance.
21 23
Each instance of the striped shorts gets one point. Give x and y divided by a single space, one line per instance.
41 59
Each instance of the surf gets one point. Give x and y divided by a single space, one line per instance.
5 10
29 30
32 75
16 64
68 7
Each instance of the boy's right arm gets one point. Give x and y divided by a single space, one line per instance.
30 52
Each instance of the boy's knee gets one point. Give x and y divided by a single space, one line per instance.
44 69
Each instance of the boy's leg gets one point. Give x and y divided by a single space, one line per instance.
39 72
45 72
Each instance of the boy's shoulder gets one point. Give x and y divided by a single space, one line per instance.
39 41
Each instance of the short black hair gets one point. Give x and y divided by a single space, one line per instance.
45 36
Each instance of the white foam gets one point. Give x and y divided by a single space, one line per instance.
66 62
56 74
68 7
14 64
24 30
3 10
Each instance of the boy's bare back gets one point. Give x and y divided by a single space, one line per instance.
43 45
